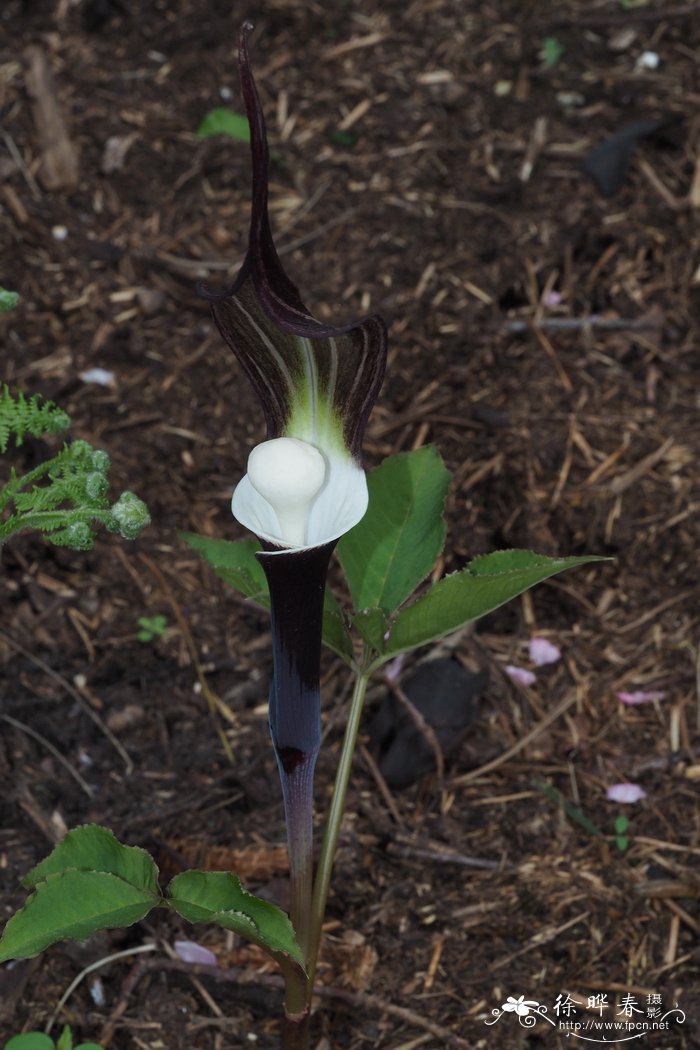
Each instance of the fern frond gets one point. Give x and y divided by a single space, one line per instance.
72 479
65 496
20 416
8 300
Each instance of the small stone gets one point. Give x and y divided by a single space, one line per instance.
125 717
151 300
100 376
571 99
448 92
115 151
622 39
647 60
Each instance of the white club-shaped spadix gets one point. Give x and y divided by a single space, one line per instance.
289 474
298 496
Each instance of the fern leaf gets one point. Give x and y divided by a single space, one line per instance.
19 416
8 300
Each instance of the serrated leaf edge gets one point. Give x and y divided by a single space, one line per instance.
27 884
539 562
66 937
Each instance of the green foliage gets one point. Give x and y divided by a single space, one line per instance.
371 625
235 563
152 627
90 847
394 547
389 554
551 52
8 300
462 597
40 1041
72 905
19 416
30 1041
622 826
91 882
344 139
217 897
573 812
65 495
223 121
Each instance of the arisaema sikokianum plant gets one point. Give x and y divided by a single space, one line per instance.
304 494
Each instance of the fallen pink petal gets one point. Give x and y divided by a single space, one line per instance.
520 675
191 952
627 793
641 696
392 671
543 652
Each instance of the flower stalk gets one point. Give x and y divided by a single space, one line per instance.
324 868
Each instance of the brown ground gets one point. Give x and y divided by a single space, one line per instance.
402 178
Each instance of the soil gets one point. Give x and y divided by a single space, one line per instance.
427 167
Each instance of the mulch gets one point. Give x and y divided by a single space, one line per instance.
427 166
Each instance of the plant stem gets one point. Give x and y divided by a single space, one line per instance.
297 787
335 816
295 1025
16 484
295 1032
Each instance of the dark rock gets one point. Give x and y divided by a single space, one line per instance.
446 696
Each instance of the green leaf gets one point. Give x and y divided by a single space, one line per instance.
222 121
65 1039
95 849
487 583
335 634
8 300
572 811
399 539
346 139
235 563
371 625
71 905
551 51
152 627
30 1041
218 897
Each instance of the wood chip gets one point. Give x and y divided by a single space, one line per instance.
59 162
